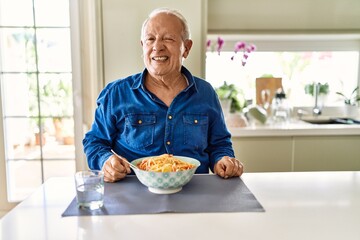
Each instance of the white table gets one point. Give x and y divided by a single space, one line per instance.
310 205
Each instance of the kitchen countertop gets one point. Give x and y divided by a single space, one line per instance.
295 128
298 205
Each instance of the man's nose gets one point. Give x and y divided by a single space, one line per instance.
158 45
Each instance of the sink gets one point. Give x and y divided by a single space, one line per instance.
329 115
328 120
317 119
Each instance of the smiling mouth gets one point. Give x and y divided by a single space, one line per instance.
163 58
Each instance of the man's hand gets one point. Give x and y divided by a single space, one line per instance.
229 167
115 169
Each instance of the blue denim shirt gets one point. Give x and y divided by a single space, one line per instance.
135 123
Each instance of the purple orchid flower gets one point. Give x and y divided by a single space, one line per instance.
245 48
248 49
239 46
252 47
220 43
208 43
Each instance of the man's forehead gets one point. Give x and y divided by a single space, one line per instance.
165 19
164 23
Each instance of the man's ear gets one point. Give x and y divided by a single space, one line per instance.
188 44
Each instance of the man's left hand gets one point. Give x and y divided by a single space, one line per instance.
228 167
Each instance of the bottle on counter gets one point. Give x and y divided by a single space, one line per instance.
280 107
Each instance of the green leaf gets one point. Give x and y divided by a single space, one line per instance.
230 91
309 88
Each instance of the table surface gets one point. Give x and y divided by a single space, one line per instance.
298 205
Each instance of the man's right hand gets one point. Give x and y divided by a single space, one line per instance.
115 169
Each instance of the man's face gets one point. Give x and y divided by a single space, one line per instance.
163 46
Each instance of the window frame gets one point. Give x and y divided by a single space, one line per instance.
74 8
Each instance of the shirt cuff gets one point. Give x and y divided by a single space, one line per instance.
103 159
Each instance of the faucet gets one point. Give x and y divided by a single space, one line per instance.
317 108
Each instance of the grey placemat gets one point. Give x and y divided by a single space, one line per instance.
204 193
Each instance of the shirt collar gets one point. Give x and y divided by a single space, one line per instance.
139 81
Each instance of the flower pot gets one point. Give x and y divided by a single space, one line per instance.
225 105
39 136
68 140
236 120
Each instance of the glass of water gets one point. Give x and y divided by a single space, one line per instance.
89 189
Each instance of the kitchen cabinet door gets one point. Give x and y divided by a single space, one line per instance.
330 153
264 154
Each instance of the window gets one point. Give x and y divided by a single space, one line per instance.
298 60
36 93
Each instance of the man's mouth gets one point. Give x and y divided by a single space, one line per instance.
163 58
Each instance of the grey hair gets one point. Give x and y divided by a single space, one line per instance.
186 31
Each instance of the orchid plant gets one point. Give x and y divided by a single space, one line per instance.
240 47
353 99
229 91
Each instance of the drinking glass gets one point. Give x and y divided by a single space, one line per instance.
89 189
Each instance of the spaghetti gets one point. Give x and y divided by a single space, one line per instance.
164 163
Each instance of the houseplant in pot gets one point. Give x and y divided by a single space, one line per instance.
231 98
232 101
324 88
351 102
353 99
323 91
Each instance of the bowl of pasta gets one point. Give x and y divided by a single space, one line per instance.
165 174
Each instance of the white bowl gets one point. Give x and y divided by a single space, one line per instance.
166 182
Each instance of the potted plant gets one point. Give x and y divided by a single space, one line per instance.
231 98
40 132
232 102
37 122
321 95
352 99
229 92
57 92
309 89
55 98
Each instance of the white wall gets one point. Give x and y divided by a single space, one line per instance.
279 15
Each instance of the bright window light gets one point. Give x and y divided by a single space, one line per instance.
296 68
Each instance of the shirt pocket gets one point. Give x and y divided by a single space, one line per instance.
196 130
139 130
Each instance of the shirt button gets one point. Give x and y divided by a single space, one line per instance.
169 117
168 142
195 121
140 122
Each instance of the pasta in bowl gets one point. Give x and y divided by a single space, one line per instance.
166 173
